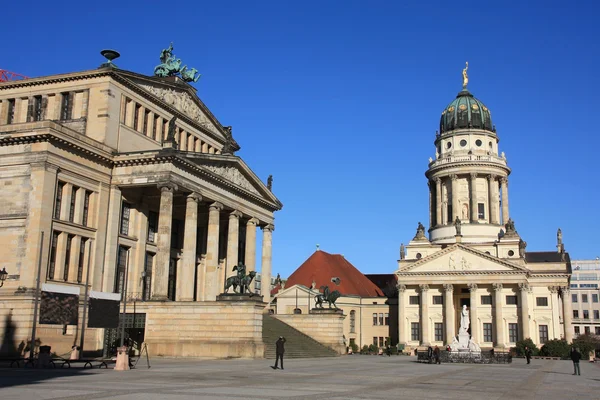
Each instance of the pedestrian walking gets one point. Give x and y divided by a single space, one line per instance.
436 355
430 354
279 350
575 357
528 354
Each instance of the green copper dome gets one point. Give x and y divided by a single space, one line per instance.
465 112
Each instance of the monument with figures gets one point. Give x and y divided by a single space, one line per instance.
463 342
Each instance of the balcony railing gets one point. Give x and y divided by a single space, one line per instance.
468 158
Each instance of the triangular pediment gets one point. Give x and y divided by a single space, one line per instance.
460 258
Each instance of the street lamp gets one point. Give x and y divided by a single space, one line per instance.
3 276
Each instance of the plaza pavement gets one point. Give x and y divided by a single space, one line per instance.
348 377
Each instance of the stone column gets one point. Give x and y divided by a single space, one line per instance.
498 320
474 211
402 329
425 334
473 313
438 202
455 205
492 200
185 277
524 289
557 330
449 312
251 244
431 210
567 313
233 240
212 252
265 289
504 186
160 275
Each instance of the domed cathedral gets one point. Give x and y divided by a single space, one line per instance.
474 255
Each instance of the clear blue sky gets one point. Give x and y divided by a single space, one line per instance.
340 100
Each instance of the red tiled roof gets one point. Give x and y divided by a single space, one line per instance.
321 266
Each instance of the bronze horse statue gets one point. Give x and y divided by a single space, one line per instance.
329 297
243 283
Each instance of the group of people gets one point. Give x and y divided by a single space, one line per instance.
433 355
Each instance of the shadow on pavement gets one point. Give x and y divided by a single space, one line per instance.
10 377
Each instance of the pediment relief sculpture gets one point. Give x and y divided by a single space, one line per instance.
233 175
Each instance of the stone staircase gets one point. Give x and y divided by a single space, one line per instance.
298 345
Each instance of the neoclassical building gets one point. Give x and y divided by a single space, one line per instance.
473 255
136 175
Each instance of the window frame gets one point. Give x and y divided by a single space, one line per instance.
488 332
542 300
58 198
513 332
511 297
415 331
414 300
125 219
438 329
11 107
486 297
543 333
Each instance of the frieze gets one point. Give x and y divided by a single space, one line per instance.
233 175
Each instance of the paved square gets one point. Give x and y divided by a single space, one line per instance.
349 377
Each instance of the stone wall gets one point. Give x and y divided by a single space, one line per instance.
325 326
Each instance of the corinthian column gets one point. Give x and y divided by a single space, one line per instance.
233 240
431 210
567 313
449 312
160 275
504 187
524 289
212 252
474 319
492 200
474 211
455 205
265 289
402 329
251 244
185 277
425 336
438 202
498 320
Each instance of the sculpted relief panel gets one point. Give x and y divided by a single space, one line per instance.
233 175
460 261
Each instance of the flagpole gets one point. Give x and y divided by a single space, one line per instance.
35 299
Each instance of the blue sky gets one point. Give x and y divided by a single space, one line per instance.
340 101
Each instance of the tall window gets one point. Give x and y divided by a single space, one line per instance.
575 313
380 318
121 266
11 111
66 107
72 204
541 301
81 261
52 265
67 258
487 332
37 108
414 331
596 314
381 344
173 279
386 319
584 298
597 330
439 331
152 226
374 318
374 340
125 215
486 300
586 330
449 213
511 300
480 211
594 298
543 334
86 207
146 288
586 314
513 333
577 331
352 321
58 201
574 298
136 115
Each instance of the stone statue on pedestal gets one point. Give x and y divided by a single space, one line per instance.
420 232
457 226
463 341
402 251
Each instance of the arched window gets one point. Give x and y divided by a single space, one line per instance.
352 321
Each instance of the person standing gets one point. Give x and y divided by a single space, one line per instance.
279 350
575 357
436 355
430 354
528 354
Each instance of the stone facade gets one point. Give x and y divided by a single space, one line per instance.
125 171
325 326
585 293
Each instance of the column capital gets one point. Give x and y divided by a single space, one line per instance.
504 180
491 177
454 177
195 197
524 287
401 287
565 290
268 227
472 287
167 187
553 289
473 175
438 180
497 286
252 221
449 287
235 214
424 288
216 206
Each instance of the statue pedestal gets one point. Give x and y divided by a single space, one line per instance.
463 341
458 238
327 311
240 297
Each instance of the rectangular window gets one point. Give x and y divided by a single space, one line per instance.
584 298
86 207
596 314
513 333
145 128
37 108
67 258
586 330
511 300
575 313
374 318
597 330
374 340
414 300
543 334
486 300
541 301
586 314
52 265
136 115
574 298
414 331
72 204
66 108
449 214
576 329
58 201
380 318
439 331
121 266
147 276
152 226
154 129
125 215
438 299
487 332
386 320
480 211
594 298
11 111
381 341
81 262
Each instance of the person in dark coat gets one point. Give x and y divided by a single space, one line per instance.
575 357
528 354
430 354
436 355
279 350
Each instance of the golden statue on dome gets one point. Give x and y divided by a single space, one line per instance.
465 77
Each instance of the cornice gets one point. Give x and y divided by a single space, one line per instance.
460 273
437 168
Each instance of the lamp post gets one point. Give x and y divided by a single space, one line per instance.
3 276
